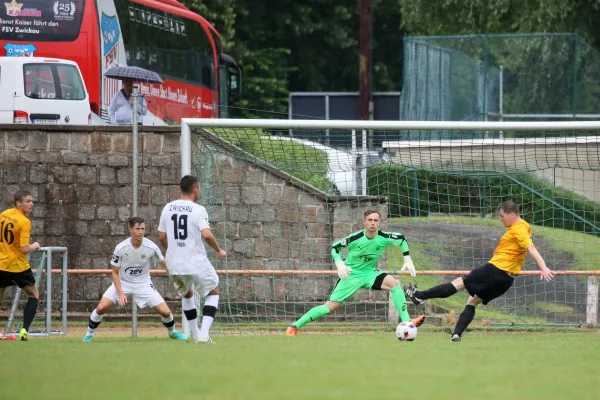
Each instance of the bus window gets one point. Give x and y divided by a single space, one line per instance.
170 45
41 20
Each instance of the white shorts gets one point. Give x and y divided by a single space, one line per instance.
203 282
144 294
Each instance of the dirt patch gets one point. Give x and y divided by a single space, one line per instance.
119 331
463 247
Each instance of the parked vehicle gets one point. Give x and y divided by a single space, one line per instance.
163 36
41 90
345 167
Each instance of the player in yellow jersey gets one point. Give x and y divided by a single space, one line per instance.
494 278
15 231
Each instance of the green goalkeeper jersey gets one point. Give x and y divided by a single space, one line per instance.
363 253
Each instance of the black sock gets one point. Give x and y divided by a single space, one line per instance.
29 312
191 314
437 292
464 320
93 324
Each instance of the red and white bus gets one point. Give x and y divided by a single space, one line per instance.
159 35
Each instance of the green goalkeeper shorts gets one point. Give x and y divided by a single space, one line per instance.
345 288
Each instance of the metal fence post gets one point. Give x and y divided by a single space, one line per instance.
48 292
65 292
134 166
575 74
592 301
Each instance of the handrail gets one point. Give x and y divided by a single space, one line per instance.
316 272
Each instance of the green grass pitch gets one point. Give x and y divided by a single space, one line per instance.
485 365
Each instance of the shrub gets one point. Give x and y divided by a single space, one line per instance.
418 193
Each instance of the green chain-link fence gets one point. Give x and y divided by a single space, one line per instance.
500 77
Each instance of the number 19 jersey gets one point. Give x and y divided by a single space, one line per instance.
182 221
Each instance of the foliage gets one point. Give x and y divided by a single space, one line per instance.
459 17
446 193
582 246
542 74
312 45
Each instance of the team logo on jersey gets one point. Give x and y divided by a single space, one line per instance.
143 256
115 259
133 271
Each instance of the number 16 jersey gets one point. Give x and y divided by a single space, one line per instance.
15 231
182 221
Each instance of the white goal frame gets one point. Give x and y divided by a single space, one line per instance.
187 124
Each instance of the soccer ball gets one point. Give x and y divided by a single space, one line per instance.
406 331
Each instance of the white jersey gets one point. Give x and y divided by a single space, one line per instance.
135 264
182 221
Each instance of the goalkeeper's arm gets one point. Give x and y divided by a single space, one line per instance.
397 239
336 252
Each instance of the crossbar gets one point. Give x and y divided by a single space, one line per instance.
186 123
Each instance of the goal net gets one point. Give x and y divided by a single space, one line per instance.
280 192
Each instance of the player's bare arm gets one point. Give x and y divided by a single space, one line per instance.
117 282
547 273
30 247
163 264
163 239
210 239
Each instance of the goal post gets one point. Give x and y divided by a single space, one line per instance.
52 284
278 197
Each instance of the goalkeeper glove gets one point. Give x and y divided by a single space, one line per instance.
342 269
408 265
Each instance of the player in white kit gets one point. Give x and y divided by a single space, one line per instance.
183 225
131 264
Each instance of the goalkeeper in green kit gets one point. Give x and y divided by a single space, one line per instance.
360 271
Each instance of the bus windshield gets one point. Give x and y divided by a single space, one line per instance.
41 20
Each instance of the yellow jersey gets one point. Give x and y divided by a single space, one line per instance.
512 249
15 231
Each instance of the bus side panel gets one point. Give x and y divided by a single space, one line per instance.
112 51
174 100
92 75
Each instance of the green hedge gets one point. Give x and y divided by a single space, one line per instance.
304 162
445 193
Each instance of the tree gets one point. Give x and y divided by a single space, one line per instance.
455 17
286 45
552 74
